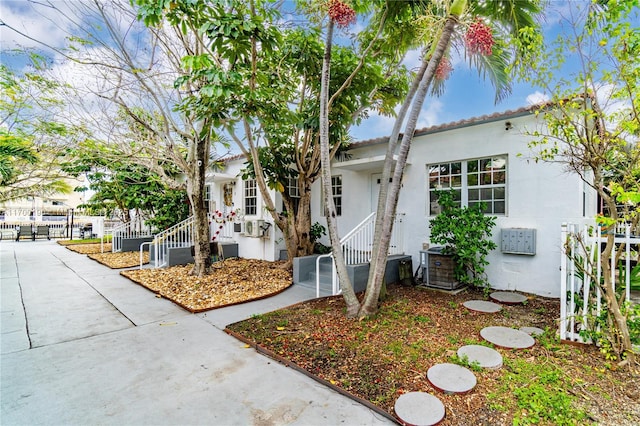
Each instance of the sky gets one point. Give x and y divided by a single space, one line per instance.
466 95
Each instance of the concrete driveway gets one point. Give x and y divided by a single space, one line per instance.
82 345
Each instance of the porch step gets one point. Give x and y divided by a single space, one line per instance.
325 287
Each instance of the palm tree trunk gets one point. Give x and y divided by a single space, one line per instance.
195 189
353 305
370 304
387 168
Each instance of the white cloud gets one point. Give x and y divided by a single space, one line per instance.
537 98
35 20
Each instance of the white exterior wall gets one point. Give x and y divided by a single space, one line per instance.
248 247
540 196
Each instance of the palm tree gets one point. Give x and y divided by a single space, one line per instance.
509 40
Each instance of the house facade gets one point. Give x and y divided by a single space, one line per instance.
484 159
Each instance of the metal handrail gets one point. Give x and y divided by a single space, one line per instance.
357 245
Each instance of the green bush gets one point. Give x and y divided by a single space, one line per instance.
465 233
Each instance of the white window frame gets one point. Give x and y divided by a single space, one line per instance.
250 197
336 190
463 177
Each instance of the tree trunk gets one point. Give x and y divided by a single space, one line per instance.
196 193
353 305
620 327
387 168
378 265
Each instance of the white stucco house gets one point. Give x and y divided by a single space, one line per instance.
484 158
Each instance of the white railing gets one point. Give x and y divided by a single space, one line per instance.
357 246
133 229
580 295
178 236
182 234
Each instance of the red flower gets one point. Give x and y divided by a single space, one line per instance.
479 38
341 13
444 69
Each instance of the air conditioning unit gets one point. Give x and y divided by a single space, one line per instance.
252 228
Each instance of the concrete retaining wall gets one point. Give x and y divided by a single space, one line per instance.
133 244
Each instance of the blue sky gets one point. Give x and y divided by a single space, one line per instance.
466 94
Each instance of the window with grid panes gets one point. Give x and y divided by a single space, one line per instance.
250 197
336 189
482 180
294 194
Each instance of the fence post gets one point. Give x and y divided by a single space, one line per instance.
563 282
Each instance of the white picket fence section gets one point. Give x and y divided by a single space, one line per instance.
358 244
583 244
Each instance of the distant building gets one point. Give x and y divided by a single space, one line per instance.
54 207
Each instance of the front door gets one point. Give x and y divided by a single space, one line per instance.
376 178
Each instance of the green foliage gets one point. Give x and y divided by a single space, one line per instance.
29 138
465 233
317 231
464 362
120 184
535 393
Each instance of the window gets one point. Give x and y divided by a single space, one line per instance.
294 194
473 181
207 198
336 190
250 197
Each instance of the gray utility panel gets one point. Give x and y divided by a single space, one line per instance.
518 241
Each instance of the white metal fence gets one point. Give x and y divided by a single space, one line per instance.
580 294
133 229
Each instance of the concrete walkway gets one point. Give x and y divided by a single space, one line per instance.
82 345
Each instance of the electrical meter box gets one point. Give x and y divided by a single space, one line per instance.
518 241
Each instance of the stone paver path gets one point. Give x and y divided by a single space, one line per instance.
532 331
508 298
451 378
485 357
419 408
482 306
506 337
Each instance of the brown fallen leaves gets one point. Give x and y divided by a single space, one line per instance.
380 358
120 260
236 281
87 248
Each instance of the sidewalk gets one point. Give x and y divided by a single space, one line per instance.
83 345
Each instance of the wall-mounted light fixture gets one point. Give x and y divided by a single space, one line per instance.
508 126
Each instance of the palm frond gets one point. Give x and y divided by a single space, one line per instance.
495 67
512 15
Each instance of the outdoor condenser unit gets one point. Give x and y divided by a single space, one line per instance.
252 228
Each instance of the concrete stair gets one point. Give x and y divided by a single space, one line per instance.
304 273
325 278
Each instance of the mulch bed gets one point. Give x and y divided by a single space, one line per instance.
234 281
121 260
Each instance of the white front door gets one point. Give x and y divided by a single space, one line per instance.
375 190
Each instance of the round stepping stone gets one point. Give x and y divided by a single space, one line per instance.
506 337
508 298
485 357
532 331
451 378
419 408
482 306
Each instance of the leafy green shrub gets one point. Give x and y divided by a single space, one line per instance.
465 233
